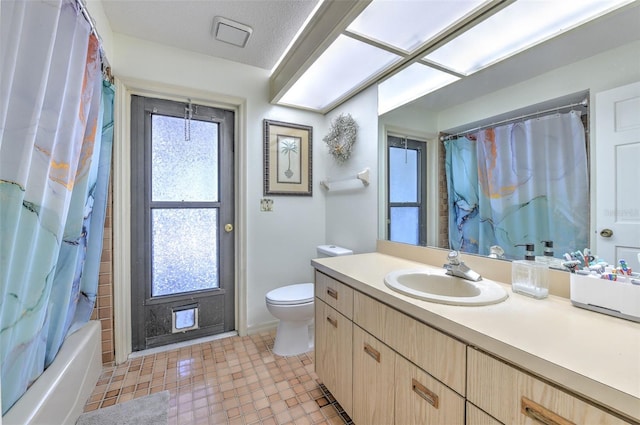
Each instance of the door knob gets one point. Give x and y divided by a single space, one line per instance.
228 227
606 233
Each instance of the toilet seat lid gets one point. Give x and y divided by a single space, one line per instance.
299 293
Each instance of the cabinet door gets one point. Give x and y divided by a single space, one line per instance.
515 397
373 380
421 399
333 353
434 352
476 416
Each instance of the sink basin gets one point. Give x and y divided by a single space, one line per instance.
436 286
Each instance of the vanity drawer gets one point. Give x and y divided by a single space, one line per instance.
421 399
334 293
515 397
439 355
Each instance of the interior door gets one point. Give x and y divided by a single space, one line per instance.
182 221
618 174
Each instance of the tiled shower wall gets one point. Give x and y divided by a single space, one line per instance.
103 310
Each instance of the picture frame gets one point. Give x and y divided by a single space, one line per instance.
287 159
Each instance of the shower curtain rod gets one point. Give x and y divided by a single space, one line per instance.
106 66
584 102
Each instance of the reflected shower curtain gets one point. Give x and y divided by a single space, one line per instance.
53 166
519 183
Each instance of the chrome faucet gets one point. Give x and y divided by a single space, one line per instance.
457 268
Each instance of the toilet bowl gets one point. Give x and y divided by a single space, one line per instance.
293 306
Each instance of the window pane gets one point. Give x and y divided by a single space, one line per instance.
404 225
183 170
183 250
403 175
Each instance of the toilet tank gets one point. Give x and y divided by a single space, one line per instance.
332 251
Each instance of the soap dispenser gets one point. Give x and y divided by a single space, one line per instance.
548 258
528 276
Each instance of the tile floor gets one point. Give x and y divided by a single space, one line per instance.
235 380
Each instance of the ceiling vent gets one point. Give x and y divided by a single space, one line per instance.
231 32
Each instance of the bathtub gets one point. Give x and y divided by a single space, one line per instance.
58 396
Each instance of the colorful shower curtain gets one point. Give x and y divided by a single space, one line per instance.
520 183
55 153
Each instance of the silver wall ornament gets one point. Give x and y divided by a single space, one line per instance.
342 135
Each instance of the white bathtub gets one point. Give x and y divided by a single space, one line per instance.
58 396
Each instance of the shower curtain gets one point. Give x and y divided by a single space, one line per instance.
55 153
519 183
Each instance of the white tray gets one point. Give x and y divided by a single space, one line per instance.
618 298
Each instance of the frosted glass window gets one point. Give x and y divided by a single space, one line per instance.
183 170
409 24
184 254
405 225
403 175
409 84
346 64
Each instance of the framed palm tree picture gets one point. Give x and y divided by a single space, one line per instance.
287 159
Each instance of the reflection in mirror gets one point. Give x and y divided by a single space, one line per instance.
514 179
514 185
406 190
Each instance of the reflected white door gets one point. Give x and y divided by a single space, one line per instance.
617 163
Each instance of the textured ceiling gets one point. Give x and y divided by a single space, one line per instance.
186 24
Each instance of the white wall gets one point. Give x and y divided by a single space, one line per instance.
352 216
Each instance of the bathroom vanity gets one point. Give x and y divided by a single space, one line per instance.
389 358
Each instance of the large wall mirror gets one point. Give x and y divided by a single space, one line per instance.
559 78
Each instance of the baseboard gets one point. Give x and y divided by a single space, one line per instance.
262 327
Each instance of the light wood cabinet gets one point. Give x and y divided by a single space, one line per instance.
438 354
476 416
515 397
373 380
333 352
422 399
335 294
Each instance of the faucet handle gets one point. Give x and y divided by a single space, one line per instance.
453 258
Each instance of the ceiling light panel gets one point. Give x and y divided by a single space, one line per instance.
519 26
346 64
408 24
409 84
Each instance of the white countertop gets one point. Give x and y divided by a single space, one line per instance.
594 355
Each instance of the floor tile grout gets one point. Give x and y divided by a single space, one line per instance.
235 380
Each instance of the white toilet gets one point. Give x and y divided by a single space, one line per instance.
293 305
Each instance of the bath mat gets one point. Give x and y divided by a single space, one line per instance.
148 410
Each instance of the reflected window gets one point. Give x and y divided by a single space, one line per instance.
406 190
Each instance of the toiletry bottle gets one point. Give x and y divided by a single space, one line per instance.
528 276
548 258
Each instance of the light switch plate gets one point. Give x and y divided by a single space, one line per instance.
266 204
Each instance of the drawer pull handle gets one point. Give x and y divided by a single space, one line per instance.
334 322
372 352
541 414
425 393
332 293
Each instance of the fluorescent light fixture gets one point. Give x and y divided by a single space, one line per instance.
409 84
346 64
408 24
231 32
517 27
